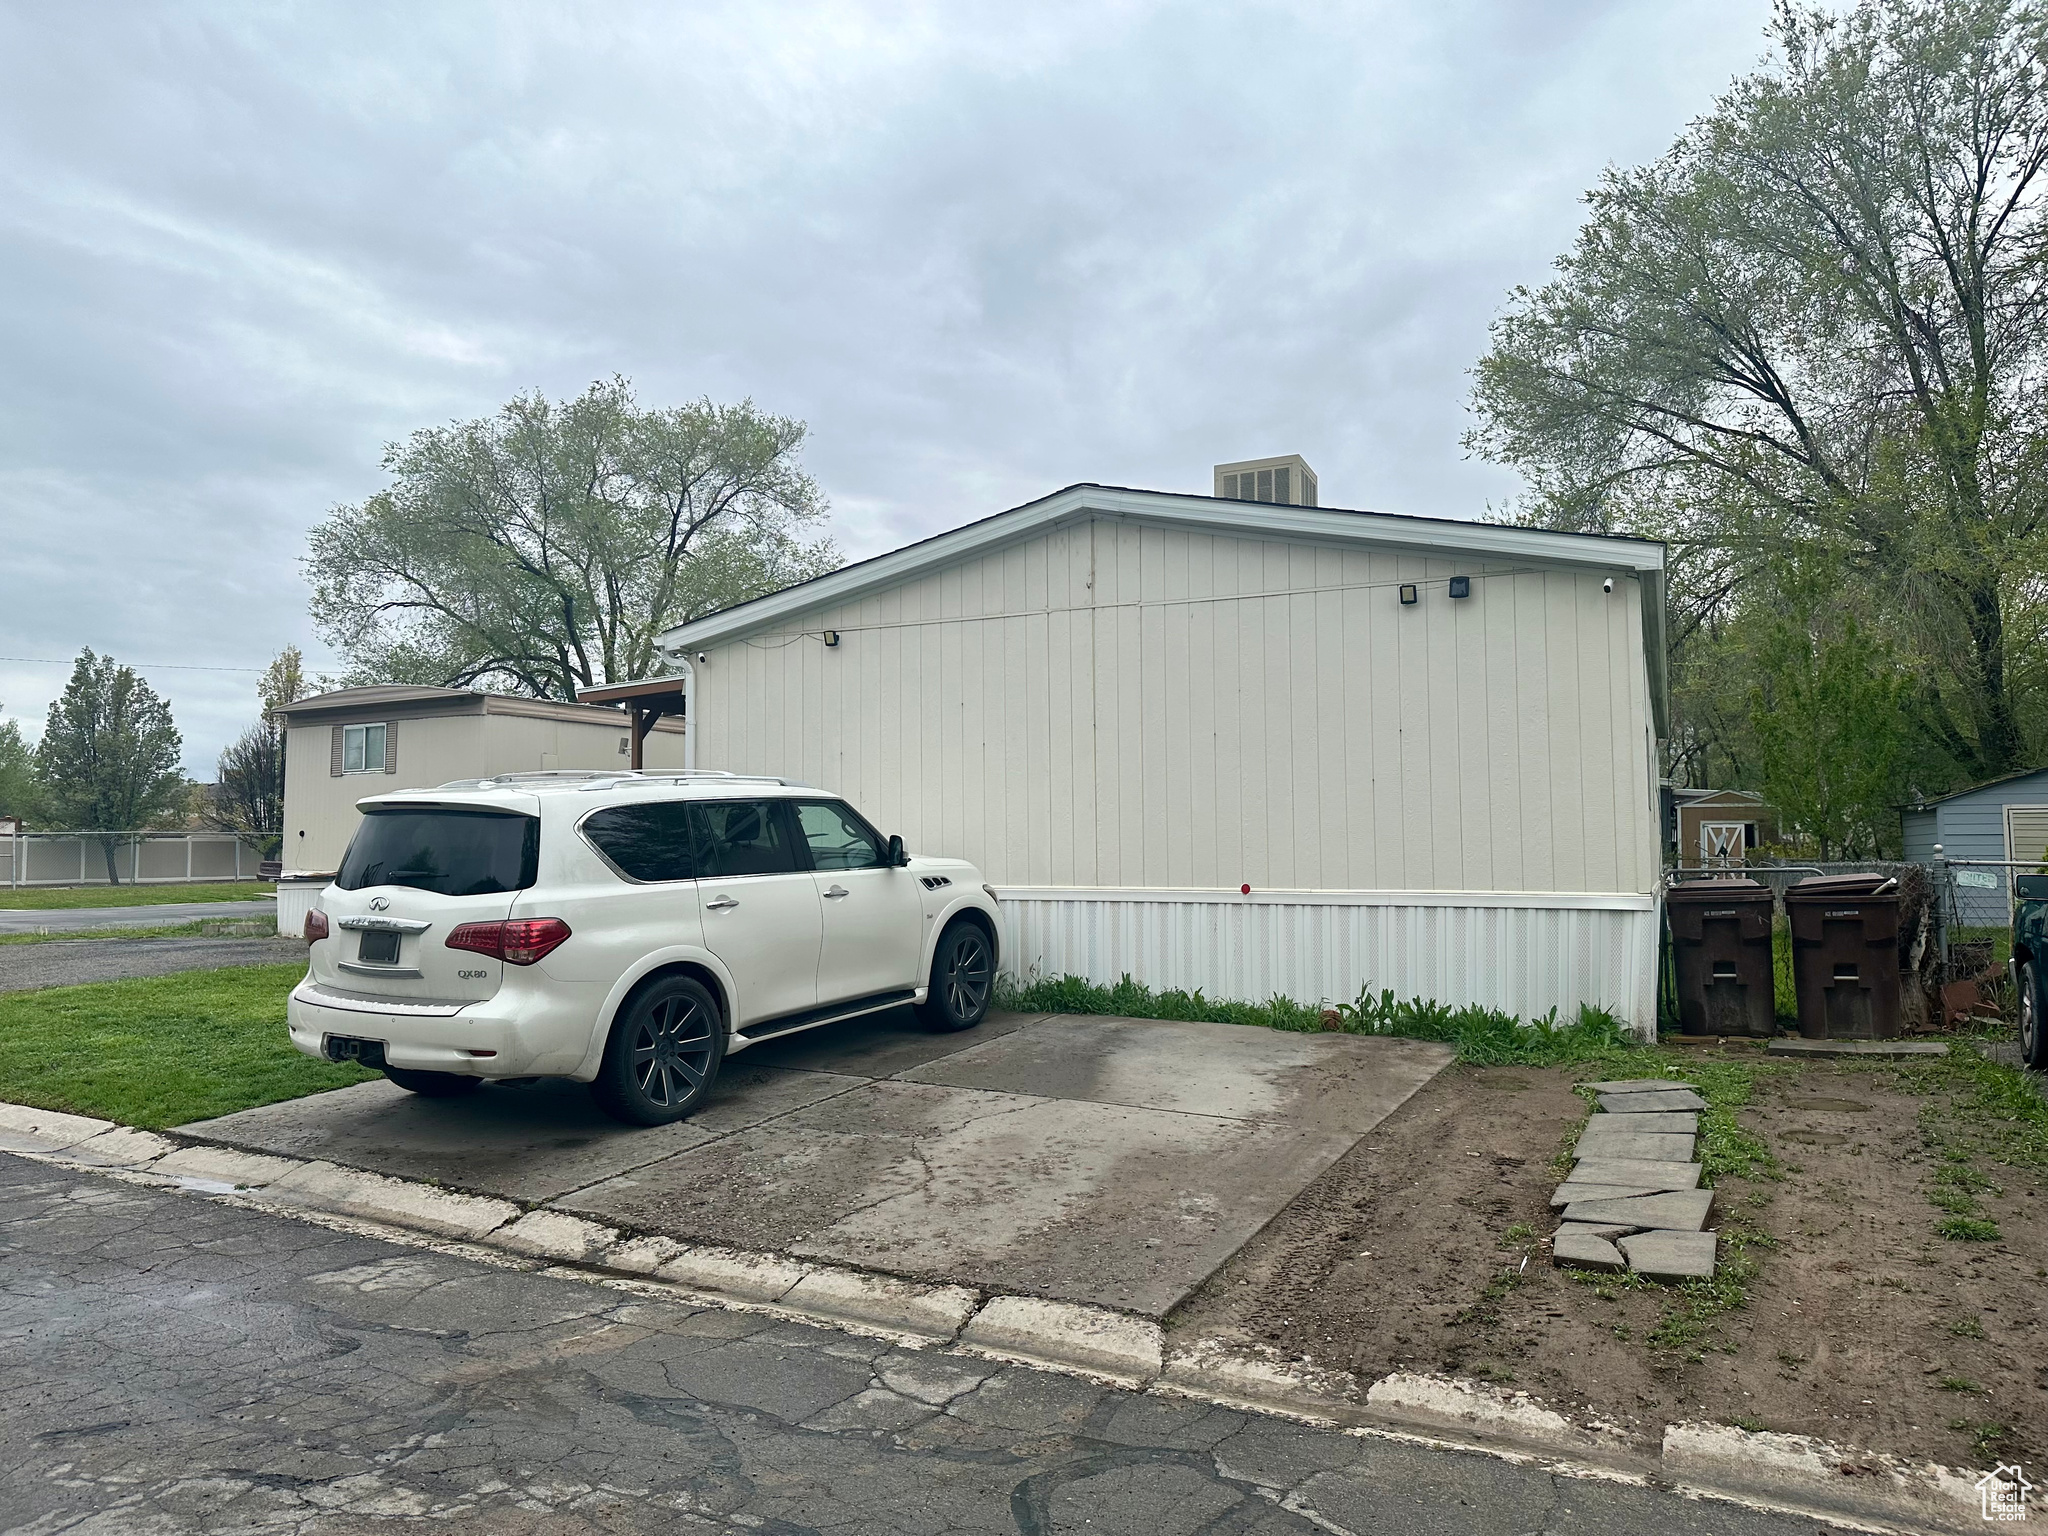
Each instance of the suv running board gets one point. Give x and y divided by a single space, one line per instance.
831 1014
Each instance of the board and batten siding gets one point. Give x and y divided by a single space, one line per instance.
1113 705
1123 723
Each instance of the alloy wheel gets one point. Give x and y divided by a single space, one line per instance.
967 975
671 1051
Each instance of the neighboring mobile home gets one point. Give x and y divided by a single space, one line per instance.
1237 745
342 747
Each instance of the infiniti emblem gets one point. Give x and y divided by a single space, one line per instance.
379 903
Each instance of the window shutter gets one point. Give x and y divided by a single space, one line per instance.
334 754
390 748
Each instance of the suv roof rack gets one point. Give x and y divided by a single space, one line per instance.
608 778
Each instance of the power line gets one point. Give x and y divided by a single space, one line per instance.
147 666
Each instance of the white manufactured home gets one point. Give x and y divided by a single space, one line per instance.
1249 747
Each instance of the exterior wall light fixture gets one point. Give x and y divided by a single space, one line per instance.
1408 596
1461 586
831 637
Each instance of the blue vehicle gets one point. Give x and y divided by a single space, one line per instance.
2030 964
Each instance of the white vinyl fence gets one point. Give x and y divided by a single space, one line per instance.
141 858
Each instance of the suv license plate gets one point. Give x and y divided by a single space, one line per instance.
378 949
368 1053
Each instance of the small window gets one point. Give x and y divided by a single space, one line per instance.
1749 834
362 749
743 837
645 842
838 838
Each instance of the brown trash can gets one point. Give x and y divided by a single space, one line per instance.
1845 956
1721 952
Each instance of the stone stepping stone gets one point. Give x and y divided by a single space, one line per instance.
1650 1103
1661 1149
1640 1085
1584 1248
1652 1175
1607 1229
1573 1191
1682 1210
1662 1255
1661 1123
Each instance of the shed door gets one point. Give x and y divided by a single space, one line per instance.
1721 842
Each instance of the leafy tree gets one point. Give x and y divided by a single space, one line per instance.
1828 714
108 760
542 549
248 795
18 790
1819 324
284 681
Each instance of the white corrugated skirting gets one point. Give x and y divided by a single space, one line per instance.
295 898
1522 952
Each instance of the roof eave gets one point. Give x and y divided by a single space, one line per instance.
1492 540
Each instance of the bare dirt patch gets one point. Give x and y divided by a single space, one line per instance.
1860 1323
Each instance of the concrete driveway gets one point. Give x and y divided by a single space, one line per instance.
75 919
1116 1162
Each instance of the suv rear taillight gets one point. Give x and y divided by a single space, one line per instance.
517 940
316 926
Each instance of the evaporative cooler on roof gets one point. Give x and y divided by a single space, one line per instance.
1288 481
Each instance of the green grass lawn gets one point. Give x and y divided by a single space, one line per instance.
57 897
160 1051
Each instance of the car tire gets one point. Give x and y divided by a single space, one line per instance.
433 1085
962 980
663 1055
2033 1047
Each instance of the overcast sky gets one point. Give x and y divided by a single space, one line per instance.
985 251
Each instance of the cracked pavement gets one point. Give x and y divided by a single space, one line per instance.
172 1364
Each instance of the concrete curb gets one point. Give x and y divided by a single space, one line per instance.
1788 1473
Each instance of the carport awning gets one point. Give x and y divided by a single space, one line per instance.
646 702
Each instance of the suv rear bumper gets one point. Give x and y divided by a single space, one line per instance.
520 1032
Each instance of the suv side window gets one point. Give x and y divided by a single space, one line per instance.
743 837
645 842
838 838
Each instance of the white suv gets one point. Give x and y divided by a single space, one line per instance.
626 930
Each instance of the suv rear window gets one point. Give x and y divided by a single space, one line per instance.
454 853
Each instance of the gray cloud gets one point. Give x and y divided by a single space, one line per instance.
983 251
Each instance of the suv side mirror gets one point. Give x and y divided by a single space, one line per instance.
897 857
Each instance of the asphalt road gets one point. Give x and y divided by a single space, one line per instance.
72 919
172 1365
67 962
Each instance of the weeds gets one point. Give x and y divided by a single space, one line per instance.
1958 1384
1968 1229
1518 1235
1482 1036
1988 1438
1968 1328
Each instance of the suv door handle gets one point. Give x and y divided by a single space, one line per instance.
834 892
721 904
